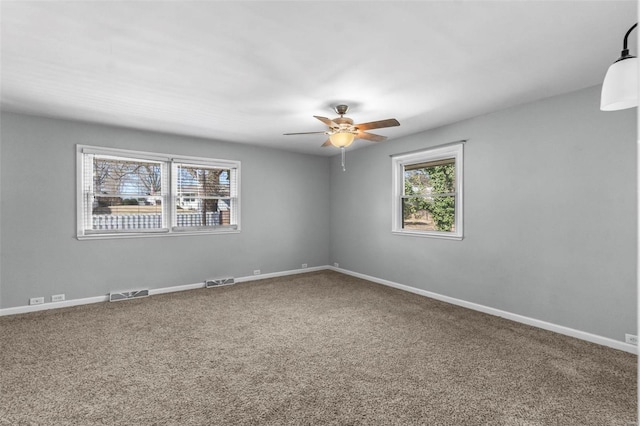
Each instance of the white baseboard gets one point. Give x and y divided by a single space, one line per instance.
280 274
173 289
53 305
97 299
583 335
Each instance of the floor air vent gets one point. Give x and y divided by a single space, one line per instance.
219 282
125 295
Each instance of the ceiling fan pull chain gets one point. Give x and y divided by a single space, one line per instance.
343 155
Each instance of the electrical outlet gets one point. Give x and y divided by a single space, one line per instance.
36 301
304 265
57 298
336 264
256 272
630 338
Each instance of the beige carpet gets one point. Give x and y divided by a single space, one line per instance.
317 348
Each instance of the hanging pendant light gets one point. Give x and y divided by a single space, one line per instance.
620 87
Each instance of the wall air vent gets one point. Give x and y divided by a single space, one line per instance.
219 282
125 295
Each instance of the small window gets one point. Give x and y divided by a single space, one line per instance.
130 193
427 192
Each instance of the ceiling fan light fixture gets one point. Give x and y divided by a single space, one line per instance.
342 139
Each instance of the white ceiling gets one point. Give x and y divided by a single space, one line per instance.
250 71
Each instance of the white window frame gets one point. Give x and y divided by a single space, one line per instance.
453 150
169 223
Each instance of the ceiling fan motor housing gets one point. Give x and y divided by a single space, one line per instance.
343 122
341 109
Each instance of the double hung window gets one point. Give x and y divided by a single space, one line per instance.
205 196
131 193
427 198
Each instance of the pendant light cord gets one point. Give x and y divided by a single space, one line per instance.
626 36
625 51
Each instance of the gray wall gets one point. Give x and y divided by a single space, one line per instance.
550 215
549 221
284 208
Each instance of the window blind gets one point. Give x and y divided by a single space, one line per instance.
134 192
205 196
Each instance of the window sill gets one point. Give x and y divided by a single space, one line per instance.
438 235
155 234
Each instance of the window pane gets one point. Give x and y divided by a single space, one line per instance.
204 196
130 213
437 177
194 212
126 194
434 213
126 177
203 182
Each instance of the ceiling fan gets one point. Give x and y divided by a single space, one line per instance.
342 131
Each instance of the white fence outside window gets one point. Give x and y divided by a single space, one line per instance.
154 220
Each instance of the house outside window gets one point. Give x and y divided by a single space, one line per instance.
427 192
131 193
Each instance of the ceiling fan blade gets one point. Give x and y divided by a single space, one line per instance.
370 137
327 143
304 133
327 121
389 122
